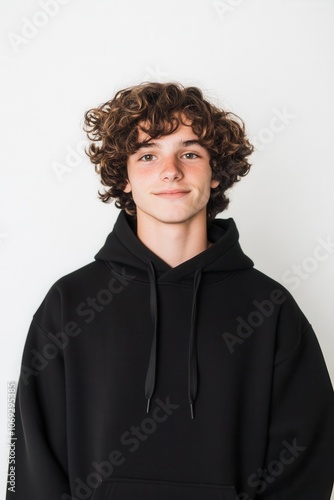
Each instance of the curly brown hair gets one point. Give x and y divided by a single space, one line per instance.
113 129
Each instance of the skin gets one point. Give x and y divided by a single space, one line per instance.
173 226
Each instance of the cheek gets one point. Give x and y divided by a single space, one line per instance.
203 178
140 182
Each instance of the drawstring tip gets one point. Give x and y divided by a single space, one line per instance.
191 410
148 405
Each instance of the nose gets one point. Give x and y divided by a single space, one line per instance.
171 169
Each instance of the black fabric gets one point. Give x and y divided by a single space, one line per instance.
141 489
140 380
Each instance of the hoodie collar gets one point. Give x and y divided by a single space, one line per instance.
123 249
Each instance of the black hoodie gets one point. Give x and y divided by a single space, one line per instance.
141 381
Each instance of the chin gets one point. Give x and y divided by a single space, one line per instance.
176 218
172 215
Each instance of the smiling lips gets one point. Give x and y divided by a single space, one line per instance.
173 193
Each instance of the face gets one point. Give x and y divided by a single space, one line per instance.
170 177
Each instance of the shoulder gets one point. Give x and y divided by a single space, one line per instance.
70 288
262 285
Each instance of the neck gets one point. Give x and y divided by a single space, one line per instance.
173 242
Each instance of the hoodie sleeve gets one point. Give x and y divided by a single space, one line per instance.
40 467
299 461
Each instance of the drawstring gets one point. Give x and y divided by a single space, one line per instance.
151 370
192 360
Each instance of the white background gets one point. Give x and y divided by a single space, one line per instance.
257 58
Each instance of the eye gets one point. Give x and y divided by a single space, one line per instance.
147 157
192 156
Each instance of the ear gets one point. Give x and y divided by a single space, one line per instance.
214 181
127 188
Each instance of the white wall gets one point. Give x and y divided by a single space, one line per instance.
259 58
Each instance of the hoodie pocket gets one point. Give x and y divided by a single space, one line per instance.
147 489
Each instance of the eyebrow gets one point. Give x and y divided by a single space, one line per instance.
149 144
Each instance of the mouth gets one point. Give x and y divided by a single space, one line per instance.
172 193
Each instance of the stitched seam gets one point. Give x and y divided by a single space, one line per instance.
49 335
173 283
295 351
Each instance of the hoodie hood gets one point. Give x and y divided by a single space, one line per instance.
123 251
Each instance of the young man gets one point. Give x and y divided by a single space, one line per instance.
171 368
